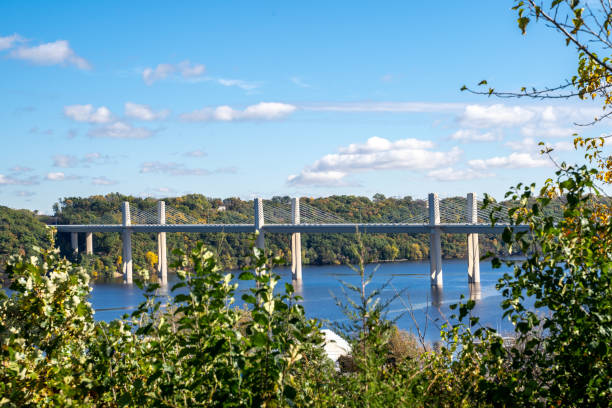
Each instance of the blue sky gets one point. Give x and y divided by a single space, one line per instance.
250 99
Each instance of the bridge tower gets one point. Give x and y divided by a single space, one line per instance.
473 254
296 242
74 242
89 243
126 236
435 246
162 255
259 223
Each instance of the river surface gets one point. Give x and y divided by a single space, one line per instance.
322 284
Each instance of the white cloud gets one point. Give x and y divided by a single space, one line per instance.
172 168
196 153
260 111
548 114
450 174
247 86
185 69
397 107
379 144
376 154
4 180
53 53
121 130
143 112
547 130
189 70
103 181
21 169
65 161
96 158
531 145
563 146
469 135
15 177
10 41
158 192
87 113
483 116
299 82
179 169
35 130
58 176
514 160
318 178
24 193
151 75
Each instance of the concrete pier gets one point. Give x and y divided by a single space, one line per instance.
435 249
296 242
74 242
126 236
473 254
162 255
89 243
259 223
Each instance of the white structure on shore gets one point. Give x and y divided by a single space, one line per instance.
335 346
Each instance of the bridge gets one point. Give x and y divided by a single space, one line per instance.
294 218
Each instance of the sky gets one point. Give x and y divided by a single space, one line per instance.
257 99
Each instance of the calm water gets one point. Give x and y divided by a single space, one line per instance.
321 283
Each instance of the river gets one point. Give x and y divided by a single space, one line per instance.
321 284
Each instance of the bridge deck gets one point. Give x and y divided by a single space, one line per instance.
292 228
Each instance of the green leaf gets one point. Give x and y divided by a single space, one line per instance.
507 235
246 276
259 339
249 299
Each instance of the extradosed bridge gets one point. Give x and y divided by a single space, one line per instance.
294 218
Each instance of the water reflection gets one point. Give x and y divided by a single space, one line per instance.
475 291
298 286
437 298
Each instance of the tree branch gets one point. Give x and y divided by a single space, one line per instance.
571 38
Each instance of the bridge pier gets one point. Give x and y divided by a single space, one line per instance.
435 245
74 241
126 236
296 242
473 254
162 255
259 223
89 243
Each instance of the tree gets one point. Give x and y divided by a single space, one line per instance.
584 25
152 259
20 230
561 355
